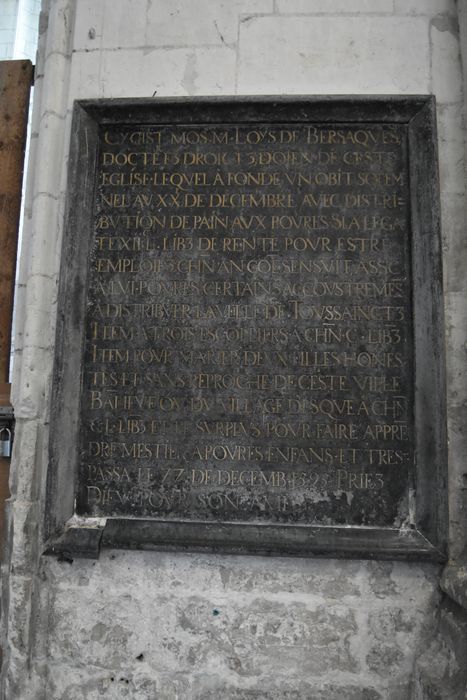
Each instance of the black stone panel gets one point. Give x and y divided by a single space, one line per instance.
246 298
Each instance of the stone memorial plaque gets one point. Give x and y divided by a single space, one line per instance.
249 339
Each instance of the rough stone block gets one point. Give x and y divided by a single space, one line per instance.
456 339
226 625
130 682
436 674
369 55
393 640
405 585
453 622
383 659
334 579
20 588
258 637
134 682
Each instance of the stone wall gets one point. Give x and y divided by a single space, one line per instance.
18 29
180 626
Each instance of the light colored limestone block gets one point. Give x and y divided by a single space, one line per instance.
425 7
453 218
451 149
338 55
334 6
446 66
141 73
169 23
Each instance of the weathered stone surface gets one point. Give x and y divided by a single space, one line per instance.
309 7
454 583
166 23
228 625
205 70
447 77
427 7
386 578
383 659
250 640
274 48
334 579
453 208
450 144
124 599
93 685
304 691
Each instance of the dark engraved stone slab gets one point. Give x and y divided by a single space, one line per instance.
252 328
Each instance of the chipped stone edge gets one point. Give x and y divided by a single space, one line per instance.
83 522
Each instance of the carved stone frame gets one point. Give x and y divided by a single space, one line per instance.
70 535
